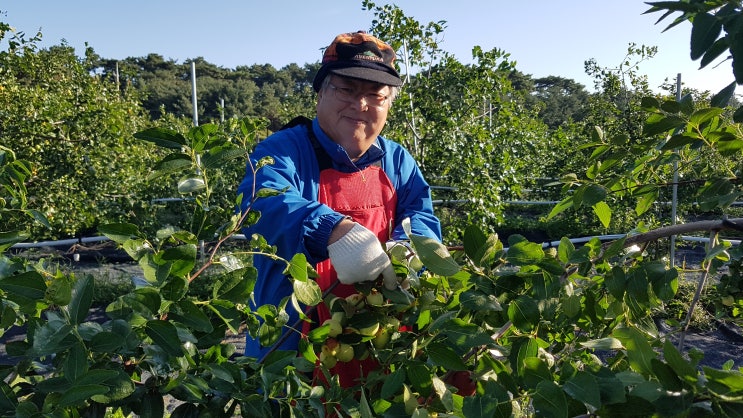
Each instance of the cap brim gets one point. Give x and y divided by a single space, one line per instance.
369 74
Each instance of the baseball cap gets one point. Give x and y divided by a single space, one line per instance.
359 55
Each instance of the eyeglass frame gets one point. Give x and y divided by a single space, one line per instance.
350 97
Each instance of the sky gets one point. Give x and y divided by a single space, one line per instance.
543 37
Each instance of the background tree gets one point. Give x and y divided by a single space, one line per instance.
561 100
68 124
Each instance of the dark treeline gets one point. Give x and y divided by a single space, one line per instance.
261 90
246 91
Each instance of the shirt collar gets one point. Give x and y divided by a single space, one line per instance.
341 160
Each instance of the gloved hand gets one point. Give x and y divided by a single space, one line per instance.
358 256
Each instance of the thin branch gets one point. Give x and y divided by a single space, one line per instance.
667 231
698 292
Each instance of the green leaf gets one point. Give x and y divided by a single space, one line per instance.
364 407
704 115
671 106
535 372
434 255
49 338
8 399
217 157
678 363
729 147
474 240
393 383
704 32
603 212
161 137
53 384
7 239
307 350
76 362
738 115
589 195
236 286
639 352
603 344
615 248
649 103
564 205
722 98
182 257
106 342
616 282
172 163
658 125
443 356
565 250
570 305
59 291
77 394
266 192
645 202
254 406
82 299
549 400
583 387
297 268
681 140
97 376
464 335
479 301
276 362
119 232
164 334
145 300
119 385
727 383
480 248
720 46
522 349
138 249
29 285
525 253
188 314
307 292
152 405
666 376
524 313
664 281
174 289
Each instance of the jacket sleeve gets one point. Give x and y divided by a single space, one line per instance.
413 194
292 220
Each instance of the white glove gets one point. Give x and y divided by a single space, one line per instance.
358 256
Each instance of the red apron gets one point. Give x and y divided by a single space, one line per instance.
369 198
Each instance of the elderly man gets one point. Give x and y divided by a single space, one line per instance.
347 188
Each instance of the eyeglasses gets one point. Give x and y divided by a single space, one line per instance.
349 95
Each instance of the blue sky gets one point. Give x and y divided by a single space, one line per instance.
544 37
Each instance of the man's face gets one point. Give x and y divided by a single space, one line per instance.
352 112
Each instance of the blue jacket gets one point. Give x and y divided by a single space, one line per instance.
295 222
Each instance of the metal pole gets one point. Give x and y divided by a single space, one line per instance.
118 84
221 110
675 187
193 94
196 123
